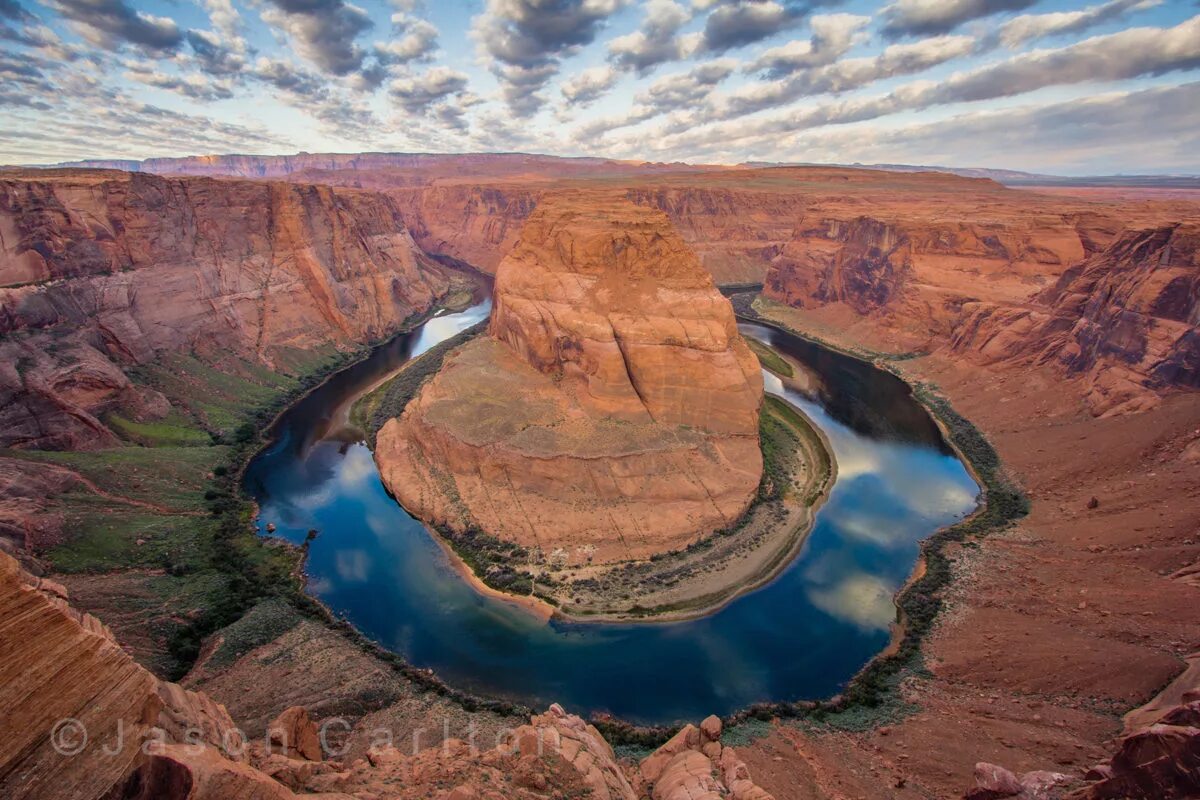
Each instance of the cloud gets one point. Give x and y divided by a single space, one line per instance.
88 119
324 31
667 94
288 78
588 85
1029 27
225 18
657 41
214 56
11 9
1088 135
194 85
417 94
742 22
525 41
832 36
686 89
837 77
1131 53
846 75
1127 54
930 17
23 82
414 39
113 23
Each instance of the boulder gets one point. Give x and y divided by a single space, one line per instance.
295 735
993 782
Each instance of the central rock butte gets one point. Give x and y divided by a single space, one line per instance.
612 411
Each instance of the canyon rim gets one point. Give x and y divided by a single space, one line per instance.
610 399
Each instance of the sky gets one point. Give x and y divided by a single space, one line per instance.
1050 86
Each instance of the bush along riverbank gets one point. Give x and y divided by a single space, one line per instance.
872 696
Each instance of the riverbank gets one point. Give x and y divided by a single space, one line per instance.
872 695
693 582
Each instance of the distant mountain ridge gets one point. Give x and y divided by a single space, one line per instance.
275 166
1012 177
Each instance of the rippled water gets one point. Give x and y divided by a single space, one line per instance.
800 637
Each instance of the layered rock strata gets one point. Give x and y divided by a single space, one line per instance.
1125 321
76 709
611 412
103 271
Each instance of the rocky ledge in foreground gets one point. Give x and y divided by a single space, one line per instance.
612 411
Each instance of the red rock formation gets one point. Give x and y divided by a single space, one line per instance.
107 270
67 689
613 411
694 765
1123 321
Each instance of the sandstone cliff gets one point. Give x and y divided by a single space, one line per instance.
67 689
612 412
1124 321
105 271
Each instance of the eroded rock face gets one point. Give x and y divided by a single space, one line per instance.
1123 322
65 665
611 413
694 765
104 271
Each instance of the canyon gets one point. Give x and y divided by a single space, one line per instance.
1063 325
610 414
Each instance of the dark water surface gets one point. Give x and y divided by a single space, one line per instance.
800 637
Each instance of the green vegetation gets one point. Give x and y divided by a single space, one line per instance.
871 698
492 560
390 399
107 537
221 396
262 624
770 359
175 430
169 478
782 431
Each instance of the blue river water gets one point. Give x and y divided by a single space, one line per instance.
802 636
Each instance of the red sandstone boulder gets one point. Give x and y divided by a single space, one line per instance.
993 782
293 734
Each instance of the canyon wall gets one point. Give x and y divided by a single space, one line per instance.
1124 321
83 721
611 413
68 690
104 271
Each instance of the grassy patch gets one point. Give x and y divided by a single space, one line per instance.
745 733
107 538
175 430
176 478
263 623
770 359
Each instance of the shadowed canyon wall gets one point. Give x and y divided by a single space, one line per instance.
107 271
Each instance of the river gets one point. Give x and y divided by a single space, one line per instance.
802 636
